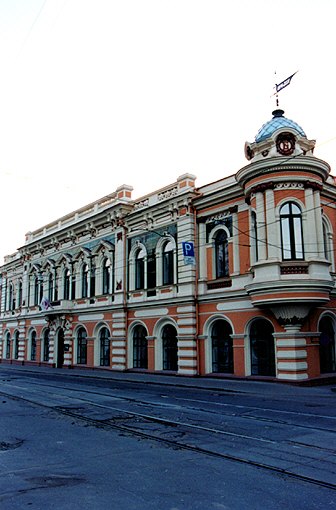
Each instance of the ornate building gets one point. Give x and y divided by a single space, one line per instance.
113 286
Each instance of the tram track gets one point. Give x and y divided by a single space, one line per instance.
247 408
127 422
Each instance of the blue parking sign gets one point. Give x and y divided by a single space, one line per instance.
188 252
188 249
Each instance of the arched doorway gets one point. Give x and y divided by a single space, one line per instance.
104 347
140 355
222 348
327 346
60 348
169 348
262 348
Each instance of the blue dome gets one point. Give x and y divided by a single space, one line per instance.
278 121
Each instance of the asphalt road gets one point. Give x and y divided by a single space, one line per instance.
90 440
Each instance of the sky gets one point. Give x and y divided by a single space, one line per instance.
99 93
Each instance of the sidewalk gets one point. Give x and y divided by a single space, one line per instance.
218 384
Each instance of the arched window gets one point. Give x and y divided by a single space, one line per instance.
16 345
81 347
66 284
140 269
51 287
327 346
10 296
222 348
140 356
36 290
104 341
168 263
169 348
291 232
106 276
85 280
46 345
8 346
33 346
262 348
221 254
20 293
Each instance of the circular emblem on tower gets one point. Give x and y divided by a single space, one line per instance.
285 144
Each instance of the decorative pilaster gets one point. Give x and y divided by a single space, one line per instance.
291 354
260 212
272 239
151 352
22 341
238 354
319 226
187 348
2 350
202 258
235 249
68 347
310 226
118 341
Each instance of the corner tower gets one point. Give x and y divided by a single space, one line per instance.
282 185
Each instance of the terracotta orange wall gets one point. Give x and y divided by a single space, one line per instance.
288 194
244 241
209 263
299 174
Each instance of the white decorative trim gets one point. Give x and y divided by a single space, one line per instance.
292 354
292 366
186 309
187 371
119 351
118 343
187 331
293 377
235 305
291 342
157 312
187 363
168 194
118 332
186 353
91 317
289 185
219 216
186 322
141 204
187 343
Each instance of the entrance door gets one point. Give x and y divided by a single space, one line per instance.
222 349
262 348
140 355
60 349
169 348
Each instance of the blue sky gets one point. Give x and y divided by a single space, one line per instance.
97 93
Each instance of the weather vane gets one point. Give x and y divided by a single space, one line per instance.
279 86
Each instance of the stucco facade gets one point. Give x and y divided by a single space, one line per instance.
109 285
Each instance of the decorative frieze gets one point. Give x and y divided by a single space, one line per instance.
167 194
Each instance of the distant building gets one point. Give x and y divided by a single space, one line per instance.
234 278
